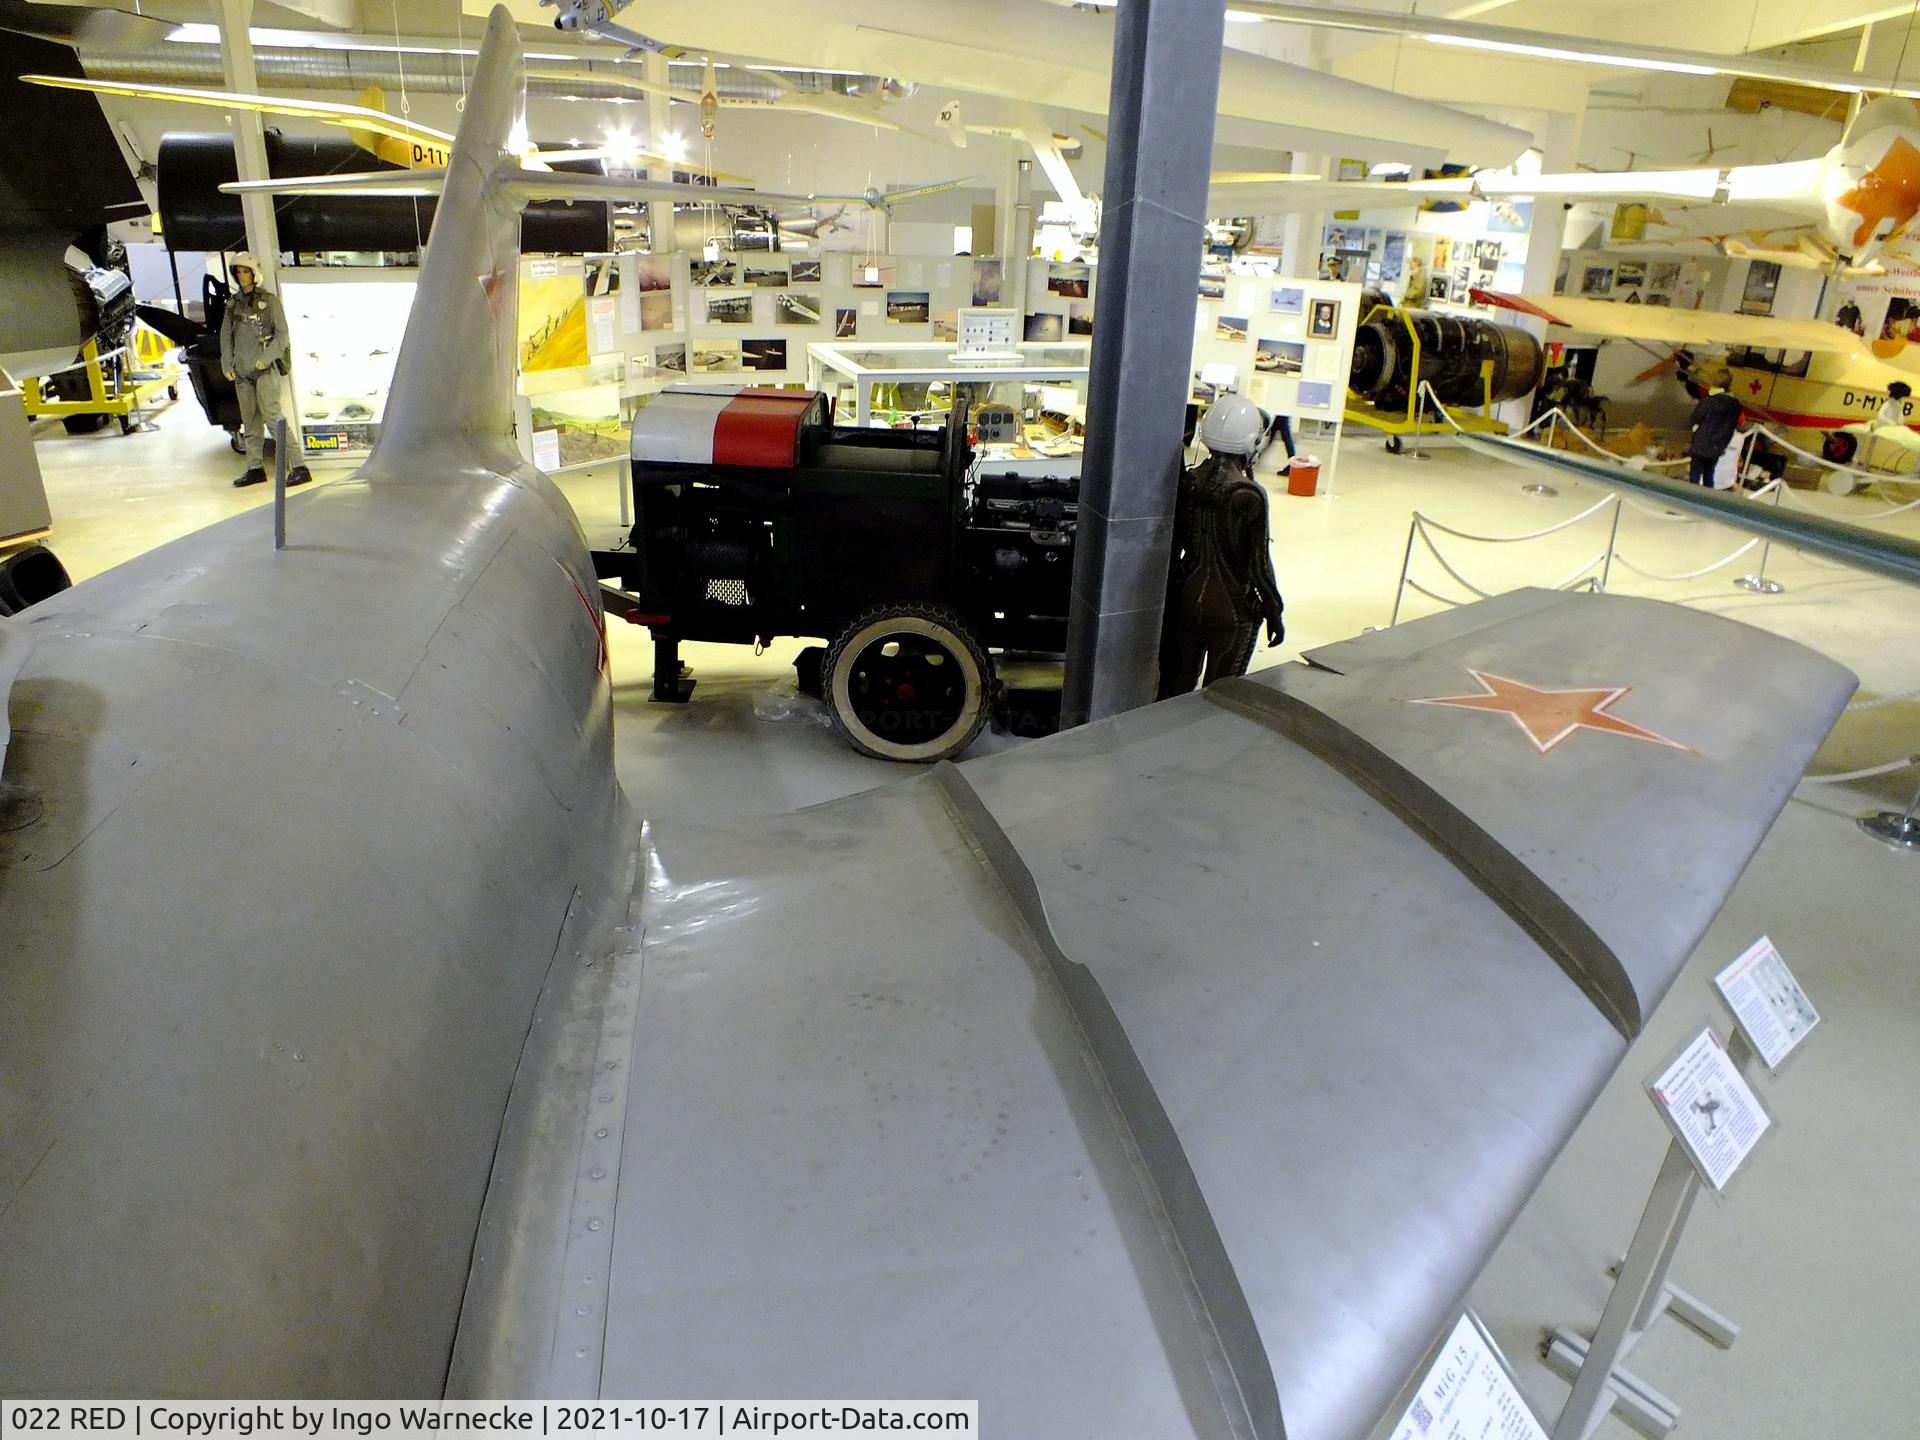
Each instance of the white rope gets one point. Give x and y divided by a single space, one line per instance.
1567 582
1843 776
1885 700
1442 561
1724 560
1433 595
1424 520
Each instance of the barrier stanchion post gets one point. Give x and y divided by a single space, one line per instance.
1898 828
1538 487
1406 564
1758 582
280 483
1613 535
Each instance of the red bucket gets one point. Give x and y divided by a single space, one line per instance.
1303 475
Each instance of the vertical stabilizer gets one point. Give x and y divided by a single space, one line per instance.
454 379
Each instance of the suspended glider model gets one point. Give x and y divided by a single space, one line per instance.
1024 49
1174 1075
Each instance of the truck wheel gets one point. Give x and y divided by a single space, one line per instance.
907 682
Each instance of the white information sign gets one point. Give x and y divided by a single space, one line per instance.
1773 1011
546 450
1717 1118
1468 1395
600 316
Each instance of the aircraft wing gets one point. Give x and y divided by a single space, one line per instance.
1666 325
1264 194
360 117
1170 1076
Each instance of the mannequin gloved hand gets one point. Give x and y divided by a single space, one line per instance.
1276 631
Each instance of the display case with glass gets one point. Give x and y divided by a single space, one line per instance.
916 383
575 417
344 324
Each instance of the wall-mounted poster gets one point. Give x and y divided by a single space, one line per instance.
1287 300
1230 327
1213 287
1393 257
1486 254
1323 321
1596 280
845 322
874 272
909 307
1280 357
710 356
1073 280
1630 273
1763 282
653 272
763 354
1316 395
1046 329
1080 318
670 359
707 274
1510 217
656 310
989 280
805 272
767 277
730 310
791 309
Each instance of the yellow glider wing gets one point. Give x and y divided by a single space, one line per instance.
1682 327
358 117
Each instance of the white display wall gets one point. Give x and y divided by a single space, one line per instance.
1287 345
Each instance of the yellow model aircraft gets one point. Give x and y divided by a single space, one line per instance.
1808 379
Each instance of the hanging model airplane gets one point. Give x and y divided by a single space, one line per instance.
1030 49
1862 194
1173 1076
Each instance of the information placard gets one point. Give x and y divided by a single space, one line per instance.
1707 1103
1468 1395
1774 1012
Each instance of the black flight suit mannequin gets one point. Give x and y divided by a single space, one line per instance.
1222 584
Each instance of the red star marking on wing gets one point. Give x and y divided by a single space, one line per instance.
1889 191
1550 716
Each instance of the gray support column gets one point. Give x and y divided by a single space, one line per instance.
249 136
1166 80
662 238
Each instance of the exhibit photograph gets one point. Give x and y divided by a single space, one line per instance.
588 842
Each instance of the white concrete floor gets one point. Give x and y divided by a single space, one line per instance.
1816 1247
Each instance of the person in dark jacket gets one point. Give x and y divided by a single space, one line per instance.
1715 419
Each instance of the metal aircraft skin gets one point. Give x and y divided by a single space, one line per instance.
1171 1076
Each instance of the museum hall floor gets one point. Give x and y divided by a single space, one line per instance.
1814 1249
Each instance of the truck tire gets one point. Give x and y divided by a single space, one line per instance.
908 682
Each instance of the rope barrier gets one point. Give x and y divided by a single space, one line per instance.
1441 560
1884 700
1842 776
1724 561
1425 520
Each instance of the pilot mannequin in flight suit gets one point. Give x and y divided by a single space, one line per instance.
1221 585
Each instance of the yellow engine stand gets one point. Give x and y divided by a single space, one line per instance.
131 387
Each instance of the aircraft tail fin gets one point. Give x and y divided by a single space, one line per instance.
371 98
454 376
